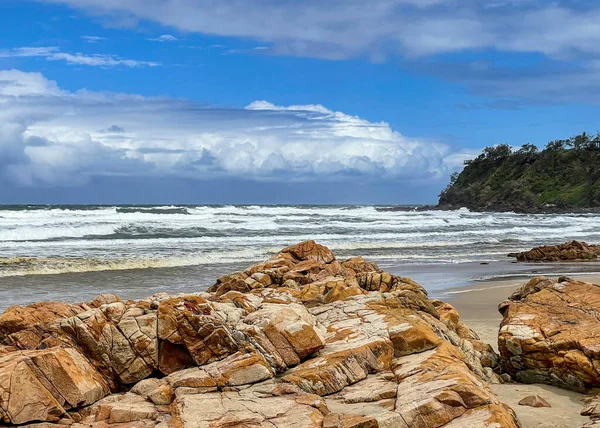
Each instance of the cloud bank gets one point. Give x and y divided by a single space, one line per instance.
554 45
346 28
50 136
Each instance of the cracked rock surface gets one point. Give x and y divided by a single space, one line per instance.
550 333
301 340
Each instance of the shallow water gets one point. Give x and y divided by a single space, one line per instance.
77 252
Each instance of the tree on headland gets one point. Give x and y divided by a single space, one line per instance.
528 149
564 174
492 153
555 145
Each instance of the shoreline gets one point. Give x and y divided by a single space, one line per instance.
477 305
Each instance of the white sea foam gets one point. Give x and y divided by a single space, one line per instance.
202 235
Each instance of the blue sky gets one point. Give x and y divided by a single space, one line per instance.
265 101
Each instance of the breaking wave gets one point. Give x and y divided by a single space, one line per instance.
43 239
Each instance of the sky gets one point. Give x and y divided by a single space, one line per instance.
278 101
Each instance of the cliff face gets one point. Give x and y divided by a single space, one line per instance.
553 180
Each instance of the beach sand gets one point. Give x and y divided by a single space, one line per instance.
478 308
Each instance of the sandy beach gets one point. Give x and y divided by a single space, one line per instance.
477 305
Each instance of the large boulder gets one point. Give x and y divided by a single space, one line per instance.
42 385
120 339
299 340
573 250
195 331
26 327
550 333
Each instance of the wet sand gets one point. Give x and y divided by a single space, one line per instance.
477 305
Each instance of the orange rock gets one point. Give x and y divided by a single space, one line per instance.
573 250
534 401
120 339
190 323
550 333
353 346
26 326
42 385
310 250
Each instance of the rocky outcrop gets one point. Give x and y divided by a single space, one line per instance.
301 340
42 385
551 333
568 251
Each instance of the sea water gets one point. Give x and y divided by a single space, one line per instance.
77 252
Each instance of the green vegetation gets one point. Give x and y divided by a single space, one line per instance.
565 176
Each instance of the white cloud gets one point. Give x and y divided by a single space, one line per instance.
29 52
93 39
49 135
347 28
53 53
164 38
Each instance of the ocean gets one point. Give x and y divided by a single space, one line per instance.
74 253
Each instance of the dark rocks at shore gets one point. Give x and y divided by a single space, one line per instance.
301 340
569 251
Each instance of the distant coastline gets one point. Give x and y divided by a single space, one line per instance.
563 178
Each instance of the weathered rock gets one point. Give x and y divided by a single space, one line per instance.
310 250
345 420
265 404
534 401
144 387
194 327
121 340
42 385
573 250
128 408
592 409
299 340
436 387
290 328
550 333
26 326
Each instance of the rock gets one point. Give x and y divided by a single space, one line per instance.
162 396
335 420
120 339
125 409
310 250
573 250
263 404
298 340
195 330
104 299
290 328
145 387
534 401
550 333
336 370
437 388
26 326
42 385
592 408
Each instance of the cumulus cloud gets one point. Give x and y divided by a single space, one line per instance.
164 38
50 135
53 53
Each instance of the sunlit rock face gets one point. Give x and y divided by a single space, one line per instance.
551 334
301 340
